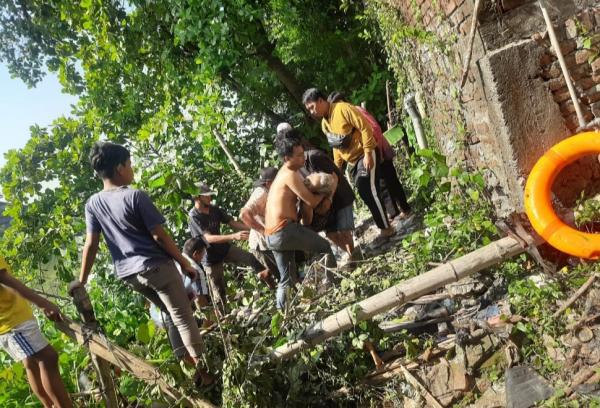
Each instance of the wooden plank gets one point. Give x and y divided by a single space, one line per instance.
127 361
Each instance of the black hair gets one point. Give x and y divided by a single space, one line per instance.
336 96
312 95
193 244
106 156
285 143
289 134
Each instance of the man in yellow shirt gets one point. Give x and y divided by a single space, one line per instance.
21 338
351 137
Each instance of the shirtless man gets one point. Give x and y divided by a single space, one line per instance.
283 233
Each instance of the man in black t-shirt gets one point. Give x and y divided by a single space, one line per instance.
205 220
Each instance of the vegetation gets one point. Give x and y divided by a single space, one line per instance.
165 78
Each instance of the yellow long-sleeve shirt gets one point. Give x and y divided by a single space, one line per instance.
342 119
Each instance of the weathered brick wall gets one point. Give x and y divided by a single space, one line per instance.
515 104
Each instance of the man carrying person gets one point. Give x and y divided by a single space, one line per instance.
253 215
205 220
284 235
341 223
351 137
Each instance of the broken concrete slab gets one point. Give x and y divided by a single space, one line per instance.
525 387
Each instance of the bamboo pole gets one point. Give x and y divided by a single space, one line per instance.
410 289
120 357
561 61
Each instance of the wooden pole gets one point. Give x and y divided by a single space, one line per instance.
467 64
127 361
388 98
234 162
86 312
411 289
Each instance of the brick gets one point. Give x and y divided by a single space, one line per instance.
547 59
591 95
571 28
580 72
556 83
595 65
585 83
567 107
448 6
553 71
597 17
562 96
582 56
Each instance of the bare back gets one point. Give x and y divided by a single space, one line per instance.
283 197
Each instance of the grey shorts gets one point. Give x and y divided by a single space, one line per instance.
23 341
343 220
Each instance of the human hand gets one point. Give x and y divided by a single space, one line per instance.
51 311
189 270
368 161
241 236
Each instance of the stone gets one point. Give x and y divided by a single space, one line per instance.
448 6
585 83
525 387
586 19
547 59
595 64
562 95
582 56
493 397
571 28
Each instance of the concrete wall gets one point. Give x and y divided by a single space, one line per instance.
515 104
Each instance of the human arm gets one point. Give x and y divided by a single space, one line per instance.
51 311
90 250
296 184
306 214
164 240
238 225
359 122
248 216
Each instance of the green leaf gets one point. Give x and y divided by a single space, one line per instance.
276 321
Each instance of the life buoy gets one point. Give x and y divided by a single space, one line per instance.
538 201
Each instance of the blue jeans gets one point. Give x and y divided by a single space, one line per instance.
294 237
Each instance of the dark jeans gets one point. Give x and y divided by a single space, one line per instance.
284 243
367 184
394 187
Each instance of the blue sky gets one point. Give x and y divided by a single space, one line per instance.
21 107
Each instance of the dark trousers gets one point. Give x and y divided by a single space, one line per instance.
367 184
394 187
284 244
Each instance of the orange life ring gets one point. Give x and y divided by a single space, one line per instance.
538 204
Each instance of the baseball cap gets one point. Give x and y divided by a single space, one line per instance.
204 189
267 174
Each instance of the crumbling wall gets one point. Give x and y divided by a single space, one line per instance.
515 104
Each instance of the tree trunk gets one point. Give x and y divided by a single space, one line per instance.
413 288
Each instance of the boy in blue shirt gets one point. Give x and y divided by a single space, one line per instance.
141 249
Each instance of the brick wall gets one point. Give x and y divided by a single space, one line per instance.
515 104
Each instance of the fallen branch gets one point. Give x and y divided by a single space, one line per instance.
408 290
576 295
417 384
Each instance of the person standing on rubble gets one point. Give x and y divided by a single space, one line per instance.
351 137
